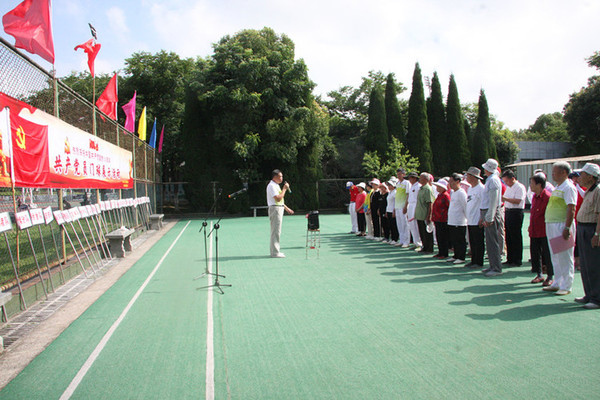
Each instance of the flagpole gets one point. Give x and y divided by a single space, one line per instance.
94 105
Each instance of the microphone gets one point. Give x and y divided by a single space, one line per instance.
235 194
289 188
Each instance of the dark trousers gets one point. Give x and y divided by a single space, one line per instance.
442 234
477 243
589 261
362 222
426 237
513 226
385 226
458 241
376 223
393 227
540 255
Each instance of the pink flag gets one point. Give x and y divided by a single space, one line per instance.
129 109
107 102
30 24
162 134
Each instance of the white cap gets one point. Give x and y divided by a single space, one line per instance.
591 169
362 185
349 185
376 181
490 165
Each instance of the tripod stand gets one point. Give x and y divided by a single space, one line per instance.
204 228
217 284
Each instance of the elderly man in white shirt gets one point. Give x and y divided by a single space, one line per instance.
476 232
491 218
514 207
457 219
276 205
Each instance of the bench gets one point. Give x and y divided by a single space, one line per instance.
254 208
156 221
120 241
4 298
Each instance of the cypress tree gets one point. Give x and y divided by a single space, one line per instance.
469 136
483 147
417 139
436 117
458 153
377 131
392 110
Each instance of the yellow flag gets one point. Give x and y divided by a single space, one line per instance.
142 125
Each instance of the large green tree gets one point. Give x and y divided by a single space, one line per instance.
483 146
582 113
377 130
459 154
417 137
436 117
393 114
547 128
250 109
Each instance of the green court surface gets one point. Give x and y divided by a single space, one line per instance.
363 321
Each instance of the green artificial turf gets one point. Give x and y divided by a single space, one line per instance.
363 321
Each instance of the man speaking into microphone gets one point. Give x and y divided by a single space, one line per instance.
275 196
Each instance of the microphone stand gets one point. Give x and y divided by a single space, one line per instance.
217 284
204 228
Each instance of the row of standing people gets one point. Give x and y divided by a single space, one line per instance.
460 211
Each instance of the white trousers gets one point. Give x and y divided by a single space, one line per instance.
563 262
353 217
412 224
276 218
403 229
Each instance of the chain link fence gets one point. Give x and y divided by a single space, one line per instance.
48 248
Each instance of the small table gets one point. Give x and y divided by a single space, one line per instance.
156 221
120 241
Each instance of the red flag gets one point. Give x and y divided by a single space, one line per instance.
129 109
91 48
29 152
31 27
162 134
107 102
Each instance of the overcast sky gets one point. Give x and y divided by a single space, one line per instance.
527 55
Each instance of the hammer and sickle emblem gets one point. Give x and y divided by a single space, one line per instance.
21 137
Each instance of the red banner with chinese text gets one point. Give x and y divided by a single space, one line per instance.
67 158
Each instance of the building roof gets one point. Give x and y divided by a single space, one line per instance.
591 157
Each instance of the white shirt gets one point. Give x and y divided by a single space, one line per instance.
273 190
391 201
474 204
457 212
413 193
516 191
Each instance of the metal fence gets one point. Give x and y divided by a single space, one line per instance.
25 80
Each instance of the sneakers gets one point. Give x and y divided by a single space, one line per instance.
458 262
450 259
392 242
405 246
550 288
581 300
591 306
278 255
562 292
417 249
492 273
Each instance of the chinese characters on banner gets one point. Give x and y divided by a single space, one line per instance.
5 224
23 220
37 216
48 152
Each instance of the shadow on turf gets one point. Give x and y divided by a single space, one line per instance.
525 313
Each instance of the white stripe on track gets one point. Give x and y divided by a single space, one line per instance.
210 350
92 358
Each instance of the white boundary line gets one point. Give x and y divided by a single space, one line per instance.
210 350
92 358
